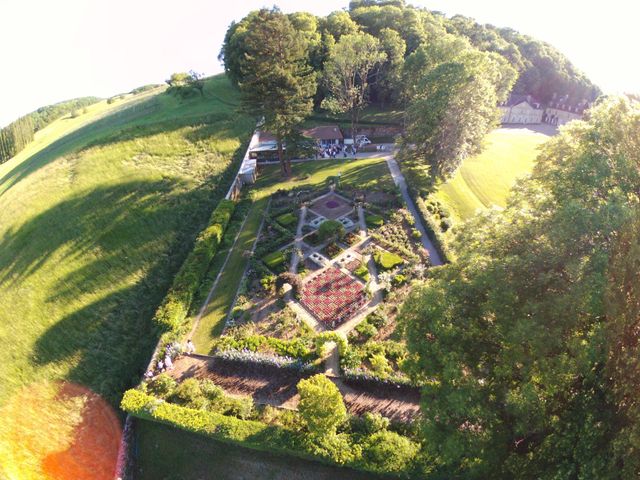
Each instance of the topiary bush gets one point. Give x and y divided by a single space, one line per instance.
162 386
330 230
387 260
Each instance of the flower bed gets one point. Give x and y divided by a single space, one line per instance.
333 296
332 250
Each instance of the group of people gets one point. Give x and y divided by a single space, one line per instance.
335 150
172 351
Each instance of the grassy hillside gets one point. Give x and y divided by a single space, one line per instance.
485 180
96 216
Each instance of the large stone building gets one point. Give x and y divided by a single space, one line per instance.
561 110
521 109
524 109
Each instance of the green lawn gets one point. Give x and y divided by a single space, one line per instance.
163 453
486 179
96 216
365 173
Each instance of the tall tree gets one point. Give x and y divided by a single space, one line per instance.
276 81
347 74
321 406
510 339
452 109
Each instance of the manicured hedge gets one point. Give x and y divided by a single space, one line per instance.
270 438
175 306
432 227
286 219
374 221
387 260
274 259
248 433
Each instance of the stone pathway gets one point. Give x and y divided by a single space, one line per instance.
401 183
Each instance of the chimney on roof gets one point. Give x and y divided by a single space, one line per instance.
529 98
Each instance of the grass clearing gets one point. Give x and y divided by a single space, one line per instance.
486 179
95 219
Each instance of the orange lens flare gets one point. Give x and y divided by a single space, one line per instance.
58 431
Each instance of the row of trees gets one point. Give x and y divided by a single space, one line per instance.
15 136
529 343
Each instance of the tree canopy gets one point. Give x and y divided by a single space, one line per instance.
321 406
519 353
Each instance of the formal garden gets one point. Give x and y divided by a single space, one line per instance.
325 273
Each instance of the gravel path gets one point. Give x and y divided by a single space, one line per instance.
401 183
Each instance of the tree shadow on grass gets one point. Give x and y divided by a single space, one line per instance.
75 140
135 234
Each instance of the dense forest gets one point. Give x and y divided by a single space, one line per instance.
447 74
15 136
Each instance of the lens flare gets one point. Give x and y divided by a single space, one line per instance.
58 431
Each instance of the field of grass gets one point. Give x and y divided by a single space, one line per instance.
96 216
486 179
364 173
164 453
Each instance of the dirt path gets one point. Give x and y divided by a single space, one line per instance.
277 387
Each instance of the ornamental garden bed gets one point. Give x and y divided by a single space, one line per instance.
333 296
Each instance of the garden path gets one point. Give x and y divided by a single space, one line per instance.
401 183
203 308
295 258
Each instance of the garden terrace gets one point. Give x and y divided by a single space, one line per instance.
269 385
333 296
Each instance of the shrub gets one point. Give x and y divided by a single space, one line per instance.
330 230
189 394
242 408
321 406
267 282
274 259
366 329
162 386
399 280
211 391
374 221
362 272
415 233
374 422
387 451
387 260
380 365
286 219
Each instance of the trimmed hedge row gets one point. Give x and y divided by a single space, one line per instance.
432 227
275 438
247 433
174 308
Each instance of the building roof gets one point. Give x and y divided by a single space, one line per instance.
563 103
517 98
265 136
324 132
